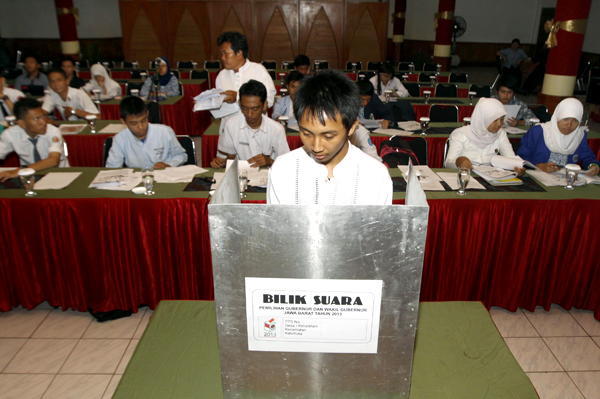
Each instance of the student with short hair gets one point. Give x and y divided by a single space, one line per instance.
8 98
505 88
68 65
38 145
72 104
251 135
302 64
32 81
285 105
371 106
328 169
143 144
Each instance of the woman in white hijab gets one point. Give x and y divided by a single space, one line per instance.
101 81
561 141
478 142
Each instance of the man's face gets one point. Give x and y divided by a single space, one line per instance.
325 142
229 58
253 109
364 100
31 65
292 87
515 46
58 83
68 67
303 69
505 95
137 124
34 122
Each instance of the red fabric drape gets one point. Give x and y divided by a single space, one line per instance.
175 115
120 74
201 120
86 150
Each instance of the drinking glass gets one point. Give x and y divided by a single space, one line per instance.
135 93
91 119
283 92
432 79
135 65
424 125
411 68
148 180
354 67
472 95
405 78
194 65
467 121
317 65
464 175
11 120
438 69
283 119
27 177
388 95
426 95
243 182
571 172
534 121
96 93
143 75
361 77
282 76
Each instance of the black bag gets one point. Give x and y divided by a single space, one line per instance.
396 152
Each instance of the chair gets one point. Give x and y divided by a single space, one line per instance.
129 64
403 66
106 149
373 65
482 91
515 145
430 67
443 113
180 88
580 82
424 77
287 65
414 89
185 64
175 72
459 78
203 74
152 65
190 148
446 147
446 90
541 112
83 64
349 65
369 75
130 86
272 74
323 64
11 74
212 64
135 74
269 64
419 147
593 91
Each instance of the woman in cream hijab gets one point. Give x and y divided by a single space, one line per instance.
101 81
561 141
478 142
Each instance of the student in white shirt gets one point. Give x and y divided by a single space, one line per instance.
72 104
142 144
362 139
38 145
385 80
285 105
477 143
252 135
328 169
101 81
8 98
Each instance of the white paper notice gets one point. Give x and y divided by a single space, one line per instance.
306 315
56 180
451 179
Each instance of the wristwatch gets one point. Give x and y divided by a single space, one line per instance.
4 98
72 112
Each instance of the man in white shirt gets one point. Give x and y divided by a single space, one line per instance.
328 169
285 105
73 104
142 144
251 135
8 98
38 145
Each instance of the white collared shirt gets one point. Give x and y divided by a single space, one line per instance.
17 140
297 178
14 96
461 146
239 138
394 84
362 139
160 145
227 79
76 99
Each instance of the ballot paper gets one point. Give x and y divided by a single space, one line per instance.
71 128
513 129
181 174
492 173
392 132
423 172
511 111
116 180
56 180
510 163
370 123
256 177
451 179
213 100
112 128
409 125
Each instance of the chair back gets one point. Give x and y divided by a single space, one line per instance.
446 90
482 91
419 146
185 64
414 89
349 65
269 64
212 64
136 74
373 65
287 65
541 112
430 67
443 113
424 77
175 72
190 148
128 64
323 64
272 74
446 147
130 86
180 88
459 78
203 74
107 144
403 66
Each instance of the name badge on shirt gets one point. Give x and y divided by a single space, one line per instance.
244 143
159 150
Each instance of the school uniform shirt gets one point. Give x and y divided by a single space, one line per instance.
24 80
239 138
76 99
461 146
14 96
160 145
362 139
525 113
15 139
297 178
284 106
394 84
513 56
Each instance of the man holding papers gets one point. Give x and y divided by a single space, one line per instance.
252 136
142 144
506 87
38 145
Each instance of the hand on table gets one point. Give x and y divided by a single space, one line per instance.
464 162
161 165
9 174
593 171
260 160
548 167
520 171
218 163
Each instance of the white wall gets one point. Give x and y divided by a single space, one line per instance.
36 19
591 43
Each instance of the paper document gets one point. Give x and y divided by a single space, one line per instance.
409 125
508 163
511 111
513 129
116 179
225 110
370 123
181 174
256 177
423 172
554 179
392 132
56 180
71 129
112 128
451 179
492 173
218 176
213 100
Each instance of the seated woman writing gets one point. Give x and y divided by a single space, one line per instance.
168 85
101 81
386 80
477 143
561 141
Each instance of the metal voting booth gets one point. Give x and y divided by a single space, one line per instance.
317 242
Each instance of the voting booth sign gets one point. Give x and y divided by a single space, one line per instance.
317 301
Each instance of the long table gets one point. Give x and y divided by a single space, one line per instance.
178 356
82 248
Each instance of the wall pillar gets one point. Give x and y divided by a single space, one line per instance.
67 25
399 21
442 49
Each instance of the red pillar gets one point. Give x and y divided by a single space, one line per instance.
563 57
67 26
399 21
442 49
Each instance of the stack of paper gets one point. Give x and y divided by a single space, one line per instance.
116 180
256 177
182 174
71 129
508 163
492 173
370 123
556 179
56 180
429 180
409 125
112 128
451 179
213 100
393 132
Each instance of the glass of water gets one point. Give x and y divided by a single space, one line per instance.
283 119
472 95
243 182
571 172
411 68
405 78
426 95
91 119
11 120
96 93
388 95
424 125
464 175
135 93
354 67
432 79
27 176
283 92
148 180
467 121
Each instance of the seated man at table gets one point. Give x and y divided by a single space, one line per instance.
285 105
505 87
32 81
143 144
38 145
302 64
8 98
72 104
371 106
328 169
68 65
252 136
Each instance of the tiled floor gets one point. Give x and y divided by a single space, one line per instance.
559 350
47 353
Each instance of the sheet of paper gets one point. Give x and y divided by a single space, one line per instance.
56 180
409 125
513 129
451 179
553 179
181 174
209 99
226 109
393 132
370 123
218 176
112 128
256 177
71 128
511 111
492 173
134 180
424 172
432 186
116 180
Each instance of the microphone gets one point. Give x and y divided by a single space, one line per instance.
157 61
